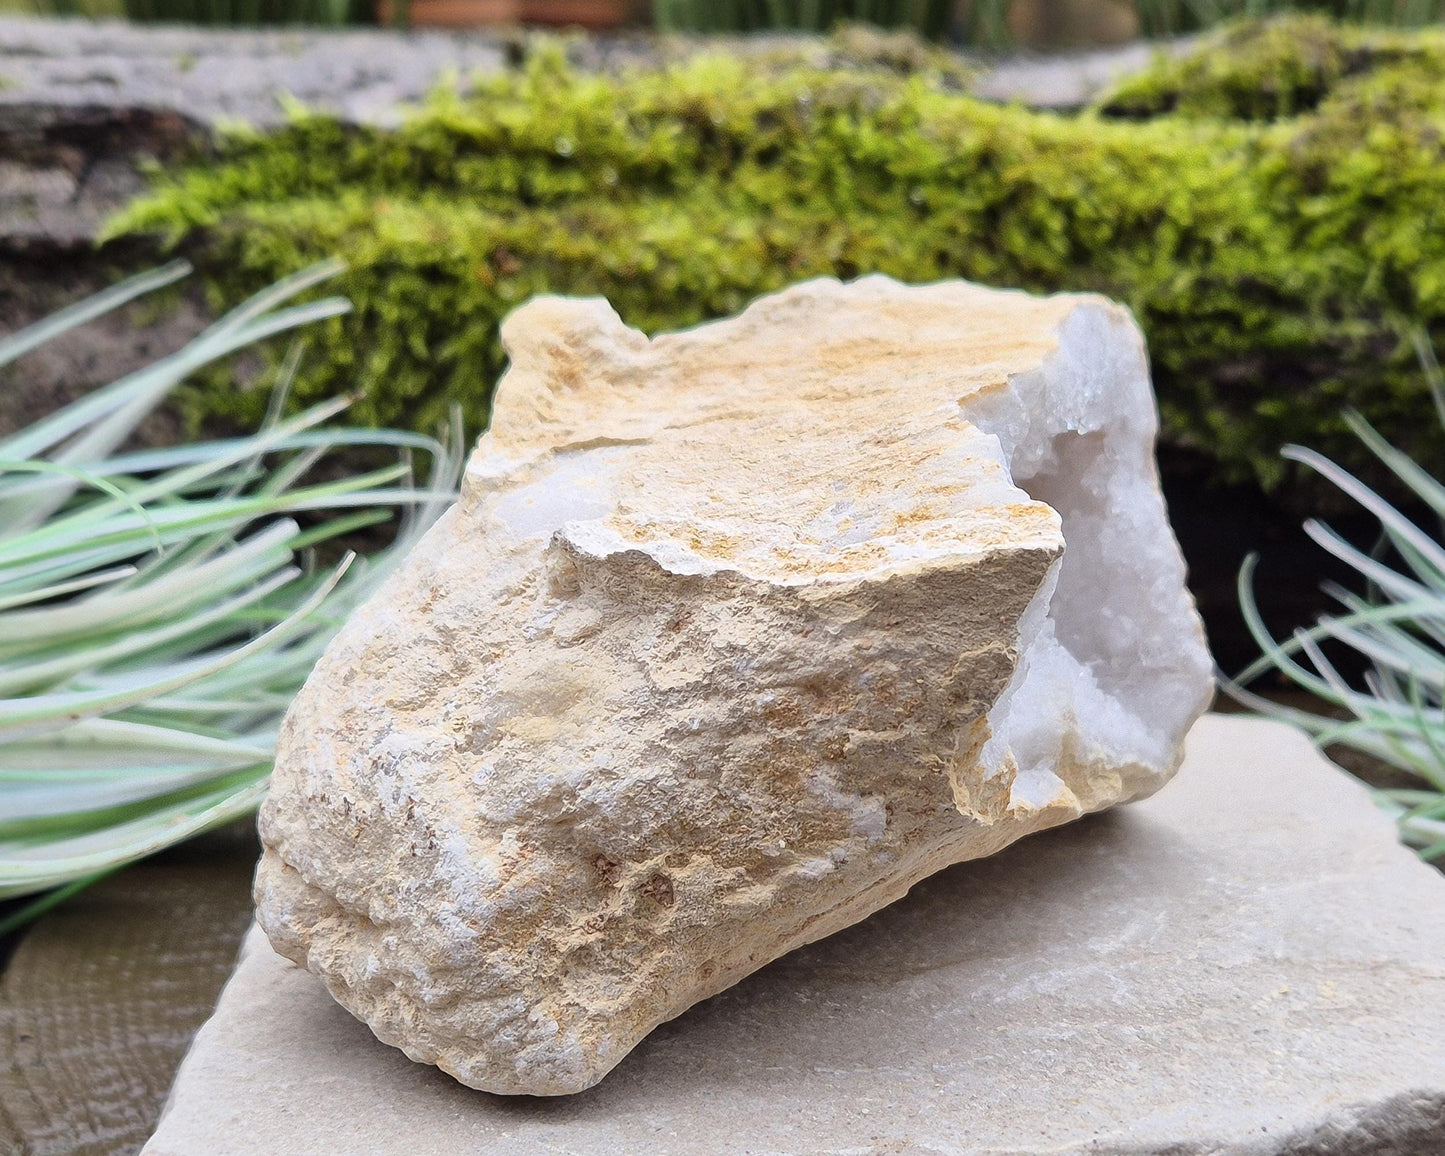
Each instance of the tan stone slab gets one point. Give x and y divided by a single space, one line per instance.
1245 963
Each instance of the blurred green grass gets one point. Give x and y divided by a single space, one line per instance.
983 23
93 8
217 12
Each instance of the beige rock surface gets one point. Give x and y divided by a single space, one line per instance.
1246 964
734 635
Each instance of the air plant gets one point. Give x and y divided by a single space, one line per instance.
1397 626
160 607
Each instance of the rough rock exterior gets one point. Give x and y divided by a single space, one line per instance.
734 635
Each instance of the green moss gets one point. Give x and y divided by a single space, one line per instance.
1283 68
1269 257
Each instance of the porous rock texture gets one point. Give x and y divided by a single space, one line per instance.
733 636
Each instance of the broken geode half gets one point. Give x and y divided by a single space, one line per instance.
734 635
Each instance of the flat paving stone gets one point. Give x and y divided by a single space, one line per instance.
1246 963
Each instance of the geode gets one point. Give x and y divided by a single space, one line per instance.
733 636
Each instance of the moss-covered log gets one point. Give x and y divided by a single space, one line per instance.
1270 208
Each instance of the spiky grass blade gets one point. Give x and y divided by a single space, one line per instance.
1397 628
159 607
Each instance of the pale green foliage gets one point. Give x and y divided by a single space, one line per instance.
159 608
1397 626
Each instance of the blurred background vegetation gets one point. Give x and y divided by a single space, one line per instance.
983 23
1264 204
240 13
